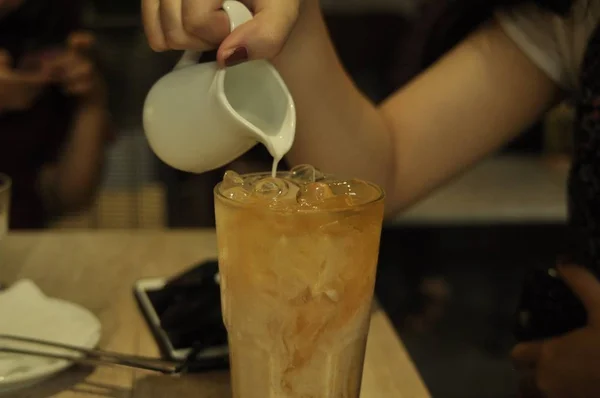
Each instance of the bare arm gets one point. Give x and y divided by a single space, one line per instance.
71 183
483 93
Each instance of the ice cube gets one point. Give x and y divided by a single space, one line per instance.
313 194
356 191
306 173
341 188
231 179
250 180
270 188
237 193
332 295
301 298
319 196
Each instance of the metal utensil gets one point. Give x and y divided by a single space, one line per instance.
99 357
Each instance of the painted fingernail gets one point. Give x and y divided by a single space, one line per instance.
238 56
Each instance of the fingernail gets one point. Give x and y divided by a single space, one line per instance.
238 56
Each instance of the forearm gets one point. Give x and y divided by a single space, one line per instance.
71 183
339 130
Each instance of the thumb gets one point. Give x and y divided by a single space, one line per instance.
80 41
527 353
262 37
16 76
586 286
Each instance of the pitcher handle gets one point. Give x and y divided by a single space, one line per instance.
238 14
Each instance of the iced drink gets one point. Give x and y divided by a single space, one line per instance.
297 258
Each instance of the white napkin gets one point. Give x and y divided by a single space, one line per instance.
26 311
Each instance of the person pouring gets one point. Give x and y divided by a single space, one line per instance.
485 91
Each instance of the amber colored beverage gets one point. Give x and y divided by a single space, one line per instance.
297 259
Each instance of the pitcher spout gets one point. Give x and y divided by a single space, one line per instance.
257 98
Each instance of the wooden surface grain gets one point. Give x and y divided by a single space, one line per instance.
97 270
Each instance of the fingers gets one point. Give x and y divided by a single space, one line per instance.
75 72
152 25
527 384
80 41
20 89
79 79
171 24
586 286
184 24
32 79
527 353
264 36
529 359
205 21
202 25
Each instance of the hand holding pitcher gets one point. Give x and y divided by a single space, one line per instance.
202 25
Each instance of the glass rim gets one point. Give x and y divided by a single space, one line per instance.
5 182
219 195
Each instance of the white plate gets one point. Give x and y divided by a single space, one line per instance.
26 311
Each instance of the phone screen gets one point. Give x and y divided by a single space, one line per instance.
188 308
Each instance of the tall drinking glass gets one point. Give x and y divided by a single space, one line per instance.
5 186
297 259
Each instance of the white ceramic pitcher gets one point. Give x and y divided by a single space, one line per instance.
200 117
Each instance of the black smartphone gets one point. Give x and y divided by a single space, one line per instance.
548 308
184 315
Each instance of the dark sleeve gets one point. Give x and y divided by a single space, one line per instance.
55 19
73 15
65 19
62 106
26 208
39 24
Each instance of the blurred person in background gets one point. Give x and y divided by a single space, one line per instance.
485 91
54 122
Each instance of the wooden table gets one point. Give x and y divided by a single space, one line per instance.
98 269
